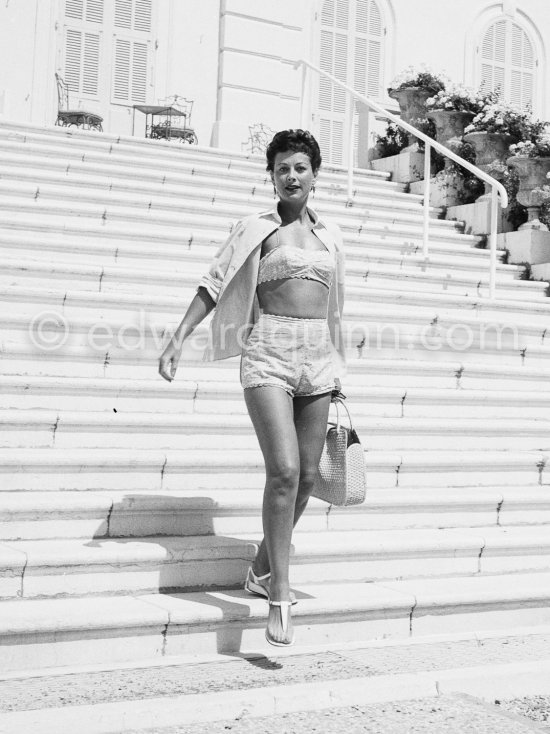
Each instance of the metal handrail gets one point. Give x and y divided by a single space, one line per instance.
496 187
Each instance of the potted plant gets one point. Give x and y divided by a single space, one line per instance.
411 89
531 160
493 130
452 109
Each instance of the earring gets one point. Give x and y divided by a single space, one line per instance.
313 189
274 191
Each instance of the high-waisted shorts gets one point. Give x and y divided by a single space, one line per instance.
288 352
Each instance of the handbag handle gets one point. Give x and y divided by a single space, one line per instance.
335 401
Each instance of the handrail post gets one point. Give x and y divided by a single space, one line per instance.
493 244
350 148
427 183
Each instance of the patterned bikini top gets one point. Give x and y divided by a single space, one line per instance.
288 261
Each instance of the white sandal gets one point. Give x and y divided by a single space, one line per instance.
284 606
254 586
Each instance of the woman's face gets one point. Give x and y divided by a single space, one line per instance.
293 175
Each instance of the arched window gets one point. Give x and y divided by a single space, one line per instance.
351 49
508 63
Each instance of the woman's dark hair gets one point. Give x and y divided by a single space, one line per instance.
299 141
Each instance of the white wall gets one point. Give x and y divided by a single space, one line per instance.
27 50
234 57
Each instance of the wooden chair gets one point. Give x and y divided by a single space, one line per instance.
169 125
66 117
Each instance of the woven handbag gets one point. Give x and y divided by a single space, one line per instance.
341 477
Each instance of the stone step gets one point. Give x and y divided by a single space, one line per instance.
104 180
205 396
168 469
71 631
50 203
56 143
91 252
186 230
377 323
41 515
138 338
443 369
23 271
199 246
27 429
57 568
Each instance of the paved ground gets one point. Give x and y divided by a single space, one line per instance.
233 674
31 696
444 715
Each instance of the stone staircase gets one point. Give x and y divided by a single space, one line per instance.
130 507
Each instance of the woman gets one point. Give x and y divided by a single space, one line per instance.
277 286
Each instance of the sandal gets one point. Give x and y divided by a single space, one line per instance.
284 606
253 585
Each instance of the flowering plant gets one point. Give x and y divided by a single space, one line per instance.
501 117
537 144
457 98
421 77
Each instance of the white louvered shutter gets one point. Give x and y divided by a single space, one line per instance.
334 60
82 47
82 62
90 11
522 68
130 71
508 62
131 51
134 15
351 49
493 58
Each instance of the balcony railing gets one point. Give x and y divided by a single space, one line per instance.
497 189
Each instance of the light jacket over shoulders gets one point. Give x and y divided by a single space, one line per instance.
232 278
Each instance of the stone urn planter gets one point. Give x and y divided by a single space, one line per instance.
450 124
490 148
412 105
532 175
449 127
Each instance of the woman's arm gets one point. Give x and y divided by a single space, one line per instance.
204 301
199 308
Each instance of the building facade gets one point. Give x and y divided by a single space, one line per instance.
236 58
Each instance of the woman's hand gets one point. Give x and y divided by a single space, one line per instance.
168 363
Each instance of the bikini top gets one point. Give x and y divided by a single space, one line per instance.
288 261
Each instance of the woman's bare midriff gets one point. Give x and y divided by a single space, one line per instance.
298 297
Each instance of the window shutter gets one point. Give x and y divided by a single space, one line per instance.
334 60
82 62
351 49
142 16
139 72
73 56
133 15
130 71
74 9
121 91
123 14
88 10
523 63
508 62
94 11
493 54
90 64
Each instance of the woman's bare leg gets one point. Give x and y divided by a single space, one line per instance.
272 415
310 420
